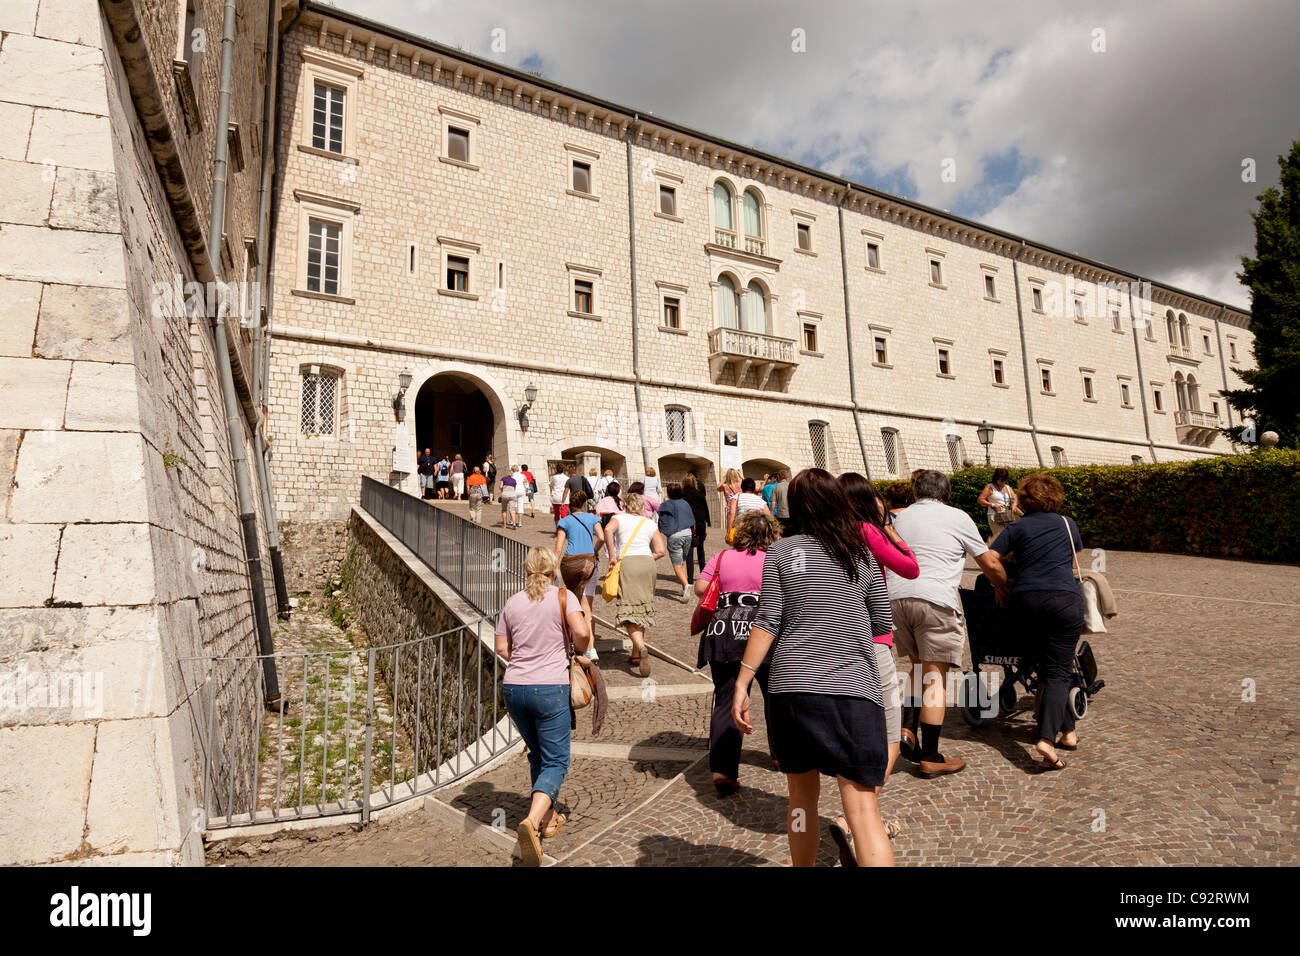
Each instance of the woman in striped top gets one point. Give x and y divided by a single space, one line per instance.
823 599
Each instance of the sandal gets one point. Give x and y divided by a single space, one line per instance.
844 841
530 847
1049 764
1064 746
554 826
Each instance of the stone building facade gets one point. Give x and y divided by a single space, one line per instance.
487 231
120 544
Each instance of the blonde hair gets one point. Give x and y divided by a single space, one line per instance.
732 476
633 503
540 565
650 470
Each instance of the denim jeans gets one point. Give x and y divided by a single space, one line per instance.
541 712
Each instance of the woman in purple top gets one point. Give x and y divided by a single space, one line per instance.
722 644
530 639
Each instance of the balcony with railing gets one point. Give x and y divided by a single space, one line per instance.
742 352
754 244
1179 351
725 238
1195 427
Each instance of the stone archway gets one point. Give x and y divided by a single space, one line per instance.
457 411
757 467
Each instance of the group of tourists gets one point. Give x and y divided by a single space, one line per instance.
821 580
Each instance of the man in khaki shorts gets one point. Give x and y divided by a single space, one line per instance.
928 626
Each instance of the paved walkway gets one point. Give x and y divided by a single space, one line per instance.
1174 768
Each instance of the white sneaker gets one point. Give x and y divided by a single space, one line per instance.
686 592
591 654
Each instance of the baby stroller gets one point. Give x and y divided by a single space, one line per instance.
995 640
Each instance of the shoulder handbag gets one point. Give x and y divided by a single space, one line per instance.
609 587
582 685
1094 622
709 602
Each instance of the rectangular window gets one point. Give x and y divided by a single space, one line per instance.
1158 399
1078 310
803 233
458 273
323 257
936 272
1206 340
945 367
1058 457
672 313
1087 387
1124 396
989 288
809 337
668 200
581 177
1232 350
1115 320
327 118
873 255
999 373
1047 379
882 354
458 144
501 275
318 394
1215 406
583 296
1037 297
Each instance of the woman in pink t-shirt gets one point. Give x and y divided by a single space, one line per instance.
722 644
530 639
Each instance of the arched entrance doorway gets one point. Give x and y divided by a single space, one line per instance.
586 457
454 417
756 468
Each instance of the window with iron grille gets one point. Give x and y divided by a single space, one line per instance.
319 400
889 438
956 451
675 423
327 117
323 257
1058 457
817 434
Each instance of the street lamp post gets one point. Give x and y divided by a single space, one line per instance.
521 413
985 433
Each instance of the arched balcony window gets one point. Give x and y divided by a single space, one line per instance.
1183 337
753 222
754 309
727 304
724 230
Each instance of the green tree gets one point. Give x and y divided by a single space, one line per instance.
1272 395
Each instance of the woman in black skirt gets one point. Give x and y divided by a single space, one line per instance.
823 597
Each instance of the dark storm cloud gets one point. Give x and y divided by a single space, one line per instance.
1131 156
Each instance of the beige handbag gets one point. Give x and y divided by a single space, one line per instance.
582 685
1094 622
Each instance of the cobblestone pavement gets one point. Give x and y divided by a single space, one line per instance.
1174 766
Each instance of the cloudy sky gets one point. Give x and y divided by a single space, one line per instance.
1132 154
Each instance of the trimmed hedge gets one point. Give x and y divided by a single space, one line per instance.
1241 506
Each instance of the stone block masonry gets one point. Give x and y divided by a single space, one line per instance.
120 550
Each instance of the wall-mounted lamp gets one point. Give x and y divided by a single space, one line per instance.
521 413
399 397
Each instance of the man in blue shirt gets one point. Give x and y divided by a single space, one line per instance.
677 525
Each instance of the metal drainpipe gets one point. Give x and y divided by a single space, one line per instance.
848 332
261 342
247 512
1024 354
1223 366
1142 383
634 132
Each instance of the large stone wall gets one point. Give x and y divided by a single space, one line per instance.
398 601
120 546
